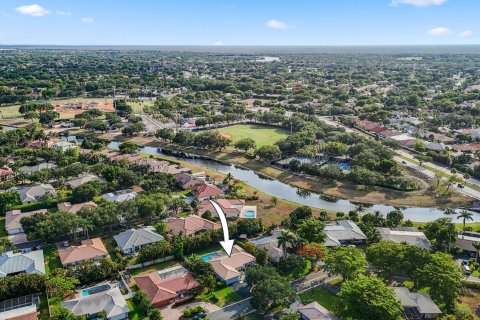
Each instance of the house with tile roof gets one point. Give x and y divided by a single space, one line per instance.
63 145
90 249
315 311
82 179
37 167
74 208
13 217
167 286
15 263
207 191
120 195
111 302
342 233
406 235
189 181
6 175
132 240
231 207
35 192
191 225
416 305
229 269
275 252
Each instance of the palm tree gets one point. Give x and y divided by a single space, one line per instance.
465 215
476 245
297 243
284 239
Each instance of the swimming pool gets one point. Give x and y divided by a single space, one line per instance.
96 289
255 240
344 165
209 256
250 214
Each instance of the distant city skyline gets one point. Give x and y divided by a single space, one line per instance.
239 22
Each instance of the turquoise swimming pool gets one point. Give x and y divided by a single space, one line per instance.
96 289
209 256
250 214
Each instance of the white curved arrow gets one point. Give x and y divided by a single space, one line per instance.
227 244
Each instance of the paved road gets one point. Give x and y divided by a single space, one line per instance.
232 311
467 191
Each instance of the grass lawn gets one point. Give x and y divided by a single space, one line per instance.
43 308
261 134
3 232
321 296
298 273
110 245
209 250
52 260
221 295
153 267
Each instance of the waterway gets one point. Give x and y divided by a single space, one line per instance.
285 191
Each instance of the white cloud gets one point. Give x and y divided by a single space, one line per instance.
439 31
33 10
275 24
419 3
218 43
64 13
466 33
87 20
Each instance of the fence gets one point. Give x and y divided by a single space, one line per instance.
149 263
20 302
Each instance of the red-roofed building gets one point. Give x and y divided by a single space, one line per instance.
231 207
472 147
6 175
207 191
378 129
165 289
191 225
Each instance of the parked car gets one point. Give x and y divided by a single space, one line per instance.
467 270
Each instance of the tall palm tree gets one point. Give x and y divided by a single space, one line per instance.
476 245
284 239
465 215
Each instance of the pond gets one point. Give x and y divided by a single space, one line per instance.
285 191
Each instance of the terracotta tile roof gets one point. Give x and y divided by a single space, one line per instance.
23 313
4 172
89 249
466 147
227 267
190 224
162 290
208 190
231 207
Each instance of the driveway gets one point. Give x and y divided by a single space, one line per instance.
170 313
233 311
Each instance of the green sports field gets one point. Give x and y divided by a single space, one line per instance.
261 134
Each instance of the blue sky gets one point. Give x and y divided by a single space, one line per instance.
239 22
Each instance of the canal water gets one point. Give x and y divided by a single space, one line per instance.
285 191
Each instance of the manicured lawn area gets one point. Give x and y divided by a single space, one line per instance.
154 267
3 232
321 296
110 244
221 295
43 308
50 254
261 134
297 273
10 112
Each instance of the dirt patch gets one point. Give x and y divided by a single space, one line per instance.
226 135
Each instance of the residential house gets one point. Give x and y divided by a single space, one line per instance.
232 208
132 240
120 196
189 181
13 217
82 179
207 191
465 241
228 269
6 175
417 305
41 166
343 232
35 192
467 148
167 286
74 208
436 146
28 312
63 145
191 225
90 249
315 311
37 144
15 263
111 303
405 235
275 252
